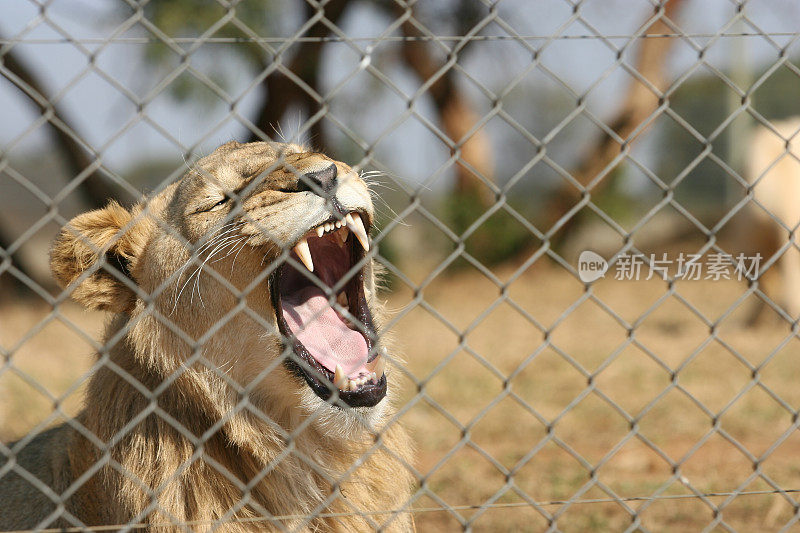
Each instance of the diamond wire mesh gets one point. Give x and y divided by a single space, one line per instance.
552 507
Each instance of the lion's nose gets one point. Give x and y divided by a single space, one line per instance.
324 179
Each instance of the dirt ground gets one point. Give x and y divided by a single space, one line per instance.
532 396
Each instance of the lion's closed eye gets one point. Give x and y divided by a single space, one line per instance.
221 203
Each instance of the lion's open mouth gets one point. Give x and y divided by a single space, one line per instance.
325 315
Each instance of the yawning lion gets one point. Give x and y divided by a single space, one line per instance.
243 377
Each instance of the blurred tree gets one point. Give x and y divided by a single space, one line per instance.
289 78
639 104
500 236
457 115
7 260
96 188
296 84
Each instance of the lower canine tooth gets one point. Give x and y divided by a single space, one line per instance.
377 365
302 251
339 379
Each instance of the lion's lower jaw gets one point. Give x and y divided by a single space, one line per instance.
280 393
342 423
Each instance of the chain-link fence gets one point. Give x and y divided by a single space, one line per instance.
583 219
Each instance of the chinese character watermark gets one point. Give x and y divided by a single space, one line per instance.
633 267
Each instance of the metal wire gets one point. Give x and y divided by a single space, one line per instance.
449 46
388 38
421 510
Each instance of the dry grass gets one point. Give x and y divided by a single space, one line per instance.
545 424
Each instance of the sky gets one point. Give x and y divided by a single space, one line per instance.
95 82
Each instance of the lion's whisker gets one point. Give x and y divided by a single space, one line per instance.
241 247
221 246
216 240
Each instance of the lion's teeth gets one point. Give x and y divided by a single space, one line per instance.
342 299
374 377
302 251
340 381
380 368
338 224
377 365
320 231
357 227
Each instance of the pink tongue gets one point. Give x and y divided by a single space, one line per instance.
311 318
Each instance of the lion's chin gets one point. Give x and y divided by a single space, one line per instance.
322 311
342 424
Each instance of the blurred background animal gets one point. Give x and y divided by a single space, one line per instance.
773 167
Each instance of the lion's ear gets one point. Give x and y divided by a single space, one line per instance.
75 257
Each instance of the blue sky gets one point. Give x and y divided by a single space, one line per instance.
100 111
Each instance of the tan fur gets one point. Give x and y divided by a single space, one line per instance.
192 418
777 169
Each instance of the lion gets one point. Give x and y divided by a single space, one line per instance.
243 378
773 166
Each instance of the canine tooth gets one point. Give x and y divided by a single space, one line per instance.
320 231
380 367
342 299
377 365
357 227
339 379
302 251
348 218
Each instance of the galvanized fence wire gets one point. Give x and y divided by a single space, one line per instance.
450 46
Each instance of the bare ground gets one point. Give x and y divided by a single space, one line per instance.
655 402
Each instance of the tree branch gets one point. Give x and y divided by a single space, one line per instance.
281 92
5 277
96 189
456 115
638 104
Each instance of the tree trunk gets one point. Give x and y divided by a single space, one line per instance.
6 279
638 105
281 92
96 189
456 114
